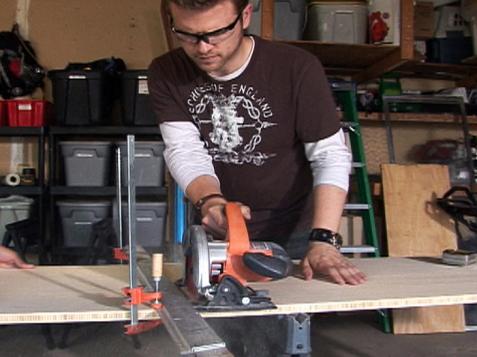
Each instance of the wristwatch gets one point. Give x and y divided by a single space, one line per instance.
327 236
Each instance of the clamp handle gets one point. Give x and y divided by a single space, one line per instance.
157 266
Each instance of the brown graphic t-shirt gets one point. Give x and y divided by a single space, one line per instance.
254 126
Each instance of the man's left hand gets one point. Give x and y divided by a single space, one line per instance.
323 258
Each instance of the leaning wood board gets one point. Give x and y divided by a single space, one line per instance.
416 227
92 293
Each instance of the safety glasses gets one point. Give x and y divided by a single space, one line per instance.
212 37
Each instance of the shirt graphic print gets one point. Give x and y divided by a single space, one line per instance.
235 119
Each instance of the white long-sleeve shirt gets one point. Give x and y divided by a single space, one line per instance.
187 158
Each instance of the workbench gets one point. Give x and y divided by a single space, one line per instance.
59 294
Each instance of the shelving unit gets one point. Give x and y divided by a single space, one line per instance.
443 118
58 189
365 62
37 191
57 133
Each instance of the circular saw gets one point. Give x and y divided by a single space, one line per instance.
218 271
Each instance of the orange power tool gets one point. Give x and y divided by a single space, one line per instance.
217 271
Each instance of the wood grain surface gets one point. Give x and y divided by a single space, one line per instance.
56 294
60 294
416 227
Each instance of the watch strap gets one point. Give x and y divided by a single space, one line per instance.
327 236
198 205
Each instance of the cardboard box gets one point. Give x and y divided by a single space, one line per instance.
423 20
351 229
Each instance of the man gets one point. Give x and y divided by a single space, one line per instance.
10 259
253 121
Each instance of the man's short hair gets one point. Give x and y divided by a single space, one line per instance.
204 4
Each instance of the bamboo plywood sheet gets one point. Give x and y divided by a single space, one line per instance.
75 294
392 283
415 227
65 294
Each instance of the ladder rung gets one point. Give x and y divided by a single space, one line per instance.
357 164
356 206
358 249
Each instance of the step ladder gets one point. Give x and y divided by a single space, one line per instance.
345 93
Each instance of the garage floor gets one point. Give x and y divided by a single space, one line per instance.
350 334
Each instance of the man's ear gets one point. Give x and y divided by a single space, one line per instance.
246 16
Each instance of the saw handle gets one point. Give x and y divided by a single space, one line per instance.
237 234
259 261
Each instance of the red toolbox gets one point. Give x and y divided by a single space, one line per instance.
27 112
3 113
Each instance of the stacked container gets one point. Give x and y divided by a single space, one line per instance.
33 113
150 223
24 112
81 97
337 22
135 101
289 19
13 209
86 163
148 163
77 219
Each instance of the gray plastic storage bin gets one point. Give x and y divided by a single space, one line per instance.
86 163
289 19
77 218
148 163
13 209
337 22
150 223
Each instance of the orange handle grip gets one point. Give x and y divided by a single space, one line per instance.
237 234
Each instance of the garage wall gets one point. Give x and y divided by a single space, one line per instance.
7 13
83 30
63 31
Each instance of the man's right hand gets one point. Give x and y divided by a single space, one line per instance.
214 219
10 259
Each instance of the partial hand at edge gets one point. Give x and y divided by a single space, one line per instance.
10 259
215 222
323 258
